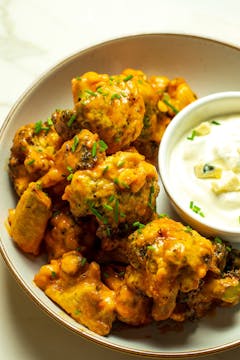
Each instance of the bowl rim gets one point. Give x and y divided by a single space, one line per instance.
103 341
164 147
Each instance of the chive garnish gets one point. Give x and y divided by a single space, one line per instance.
129 77
102 146
83 261
94 149
138 225
218 240
151 247
188 229
108 207
75 143
115 96
196 209
207 168
53 275
120 163
90 92
175 110
49 122
105 169
192 136
116 181
70 176
31 162
163 215
214 122
71 120
111 198
38 127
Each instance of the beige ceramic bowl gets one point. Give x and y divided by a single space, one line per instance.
208 108
209 67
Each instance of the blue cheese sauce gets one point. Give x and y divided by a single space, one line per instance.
205 170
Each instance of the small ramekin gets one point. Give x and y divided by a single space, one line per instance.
203 109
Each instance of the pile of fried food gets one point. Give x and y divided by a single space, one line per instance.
87 185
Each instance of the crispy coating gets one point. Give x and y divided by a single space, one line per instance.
32 153
83 151
76 287
167 258
110 106
110 191
132 306
65 234
163 99
65 123
213 291
28 221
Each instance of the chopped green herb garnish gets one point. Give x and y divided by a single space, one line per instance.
163 215
31 162
151 247
115 96
108 231
78 78
121 273
105 169
214 122
116 181
49 122
75 143
38 127
77 312
96 212
150 197
55 213
70 176
218 240
138 225
207 168
228 248
188 229
192 136
83 261
120 163
129 77
106 275
196 209
94 149
122 214
111 198
69 168
166 101
53 275
102 146
108 207
90 92
125 185
71 120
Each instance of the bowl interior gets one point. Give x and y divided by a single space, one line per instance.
208 67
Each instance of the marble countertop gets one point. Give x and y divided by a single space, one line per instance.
35 35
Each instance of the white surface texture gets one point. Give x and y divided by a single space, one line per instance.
35 35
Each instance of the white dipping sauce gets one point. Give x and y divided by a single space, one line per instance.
218 198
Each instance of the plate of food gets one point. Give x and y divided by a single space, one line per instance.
86 226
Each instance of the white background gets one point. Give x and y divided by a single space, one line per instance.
36 34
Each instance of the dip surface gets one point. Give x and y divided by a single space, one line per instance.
205 170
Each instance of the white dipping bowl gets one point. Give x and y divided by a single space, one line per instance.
207 108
